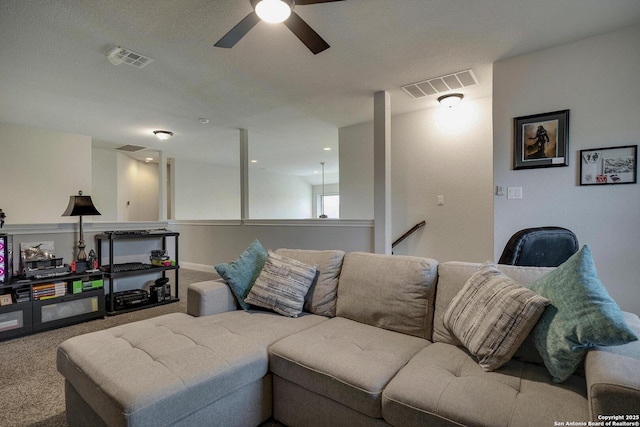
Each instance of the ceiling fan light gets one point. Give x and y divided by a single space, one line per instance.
450 100
274 11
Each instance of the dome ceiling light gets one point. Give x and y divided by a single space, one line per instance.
450 100
163 134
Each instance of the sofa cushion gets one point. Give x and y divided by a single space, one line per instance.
613 375
492 315
390 292
581 315
282 285
443 385
453 275
169 366
243 272
343 360
322 295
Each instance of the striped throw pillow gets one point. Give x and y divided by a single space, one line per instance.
282 285
492 315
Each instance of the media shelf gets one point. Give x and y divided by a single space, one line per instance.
111 272
83 300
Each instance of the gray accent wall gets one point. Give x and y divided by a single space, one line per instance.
597 80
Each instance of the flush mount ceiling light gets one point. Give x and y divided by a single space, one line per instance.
274 11
450 100
163 134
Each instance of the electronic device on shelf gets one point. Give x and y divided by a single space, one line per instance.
161 290
22 294
47 274
126 266
129 299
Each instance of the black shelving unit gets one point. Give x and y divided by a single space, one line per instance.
111 238
35 315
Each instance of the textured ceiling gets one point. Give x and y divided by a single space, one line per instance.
54 73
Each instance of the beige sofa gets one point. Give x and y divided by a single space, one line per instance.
379 355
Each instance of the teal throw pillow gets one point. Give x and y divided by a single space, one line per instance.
581 315
243 272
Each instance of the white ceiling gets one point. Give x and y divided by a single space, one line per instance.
54 73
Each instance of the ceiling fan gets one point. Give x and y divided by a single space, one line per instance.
276 11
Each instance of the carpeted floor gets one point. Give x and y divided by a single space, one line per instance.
32 390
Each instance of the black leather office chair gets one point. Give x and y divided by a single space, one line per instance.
540 247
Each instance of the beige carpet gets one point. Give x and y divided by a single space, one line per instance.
32 390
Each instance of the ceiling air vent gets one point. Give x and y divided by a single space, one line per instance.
119 55
441 84
131 148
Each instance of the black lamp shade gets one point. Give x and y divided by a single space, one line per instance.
80 205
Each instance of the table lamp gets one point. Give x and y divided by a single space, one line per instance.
78 206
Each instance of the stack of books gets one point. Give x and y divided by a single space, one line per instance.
49 290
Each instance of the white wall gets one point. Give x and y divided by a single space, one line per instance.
356 171
433 152
444 152
39 170
118 179
137 190
273 196
597 79
104 177
205 191
146 203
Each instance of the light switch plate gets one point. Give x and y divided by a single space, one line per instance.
514 193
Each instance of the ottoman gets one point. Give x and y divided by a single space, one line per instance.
175 369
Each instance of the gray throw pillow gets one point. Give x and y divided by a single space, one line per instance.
282 285
323 293
492 315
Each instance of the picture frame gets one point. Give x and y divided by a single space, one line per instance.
609 166
541 140
5 299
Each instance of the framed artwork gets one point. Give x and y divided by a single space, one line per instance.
5 299
541 140
611 165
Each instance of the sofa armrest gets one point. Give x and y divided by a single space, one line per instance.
210 297
613 376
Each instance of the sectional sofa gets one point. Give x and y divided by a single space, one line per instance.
378 343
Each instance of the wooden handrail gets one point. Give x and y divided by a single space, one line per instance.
408 233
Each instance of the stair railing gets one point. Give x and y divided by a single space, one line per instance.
408 233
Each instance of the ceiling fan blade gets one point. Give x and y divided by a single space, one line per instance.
239 31
306 34
303 2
